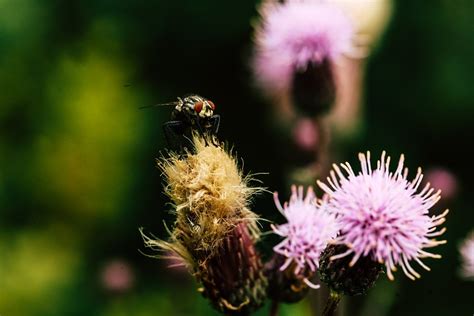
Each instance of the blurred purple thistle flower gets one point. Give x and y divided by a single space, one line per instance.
443 179
294 35
383 215
117 276
467 256
307 233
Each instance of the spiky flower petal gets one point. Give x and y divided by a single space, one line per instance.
467 256
384 215
307 233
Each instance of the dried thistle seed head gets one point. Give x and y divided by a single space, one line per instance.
210 196
214 232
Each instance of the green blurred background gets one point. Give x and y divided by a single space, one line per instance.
77 156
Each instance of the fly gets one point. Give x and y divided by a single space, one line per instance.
191 114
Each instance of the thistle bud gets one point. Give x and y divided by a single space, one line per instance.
214 232
286 286
343 278
233 278
314 88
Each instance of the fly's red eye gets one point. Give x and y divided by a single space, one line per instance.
213 107
198 106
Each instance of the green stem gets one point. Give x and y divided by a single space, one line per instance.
332 303
274 308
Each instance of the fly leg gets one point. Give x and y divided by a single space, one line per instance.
201 132
175 136
215 122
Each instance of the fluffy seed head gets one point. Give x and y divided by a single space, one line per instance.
294 34
384 215
467 256
308 230
210 198
214 233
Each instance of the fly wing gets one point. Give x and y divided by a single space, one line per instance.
175 103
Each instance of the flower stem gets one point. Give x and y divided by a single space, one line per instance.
332 303
274 308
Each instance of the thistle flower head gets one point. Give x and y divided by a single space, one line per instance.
443 179
307 233
467 256
384 215
295 34
210 196
214 232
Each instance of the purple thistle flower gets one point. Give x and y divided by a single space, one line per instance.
383 215
467 256
294 35
307 233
